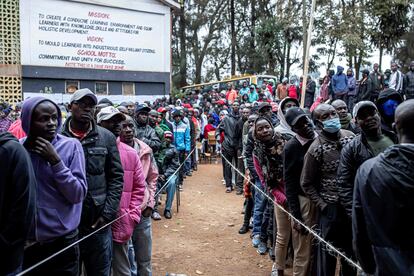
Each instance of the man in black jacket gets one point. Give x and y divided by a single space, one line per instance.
104 175
383 204
372 141
230 145
144 131
17 202
300 206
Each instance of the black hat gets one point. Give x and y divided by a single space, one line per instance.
293 115
177 113
142 108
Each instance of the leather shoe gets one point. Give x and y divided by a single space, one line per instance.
167 214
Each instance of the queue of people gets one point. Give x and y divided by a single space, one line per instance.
334 167
342 165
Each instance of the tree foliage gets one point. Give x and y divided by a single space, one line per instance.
268 35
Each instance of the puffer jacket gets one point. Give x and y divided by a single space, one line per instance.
182 138
382 211
147 134
228 126
352 157
150 171
132 194
170 161
104 175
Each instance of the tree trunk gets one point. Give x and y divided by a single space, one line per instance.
381 51
252 60
283 64
233 39
288 63
183 48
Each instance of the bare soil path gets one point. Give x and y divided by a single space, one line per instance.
203 239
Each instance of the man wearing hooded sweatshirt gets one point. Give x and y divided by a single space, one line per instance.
350 101
132 194
387 103
230 145
319 182
17 202
61 187
409 82
340 84
383 204
104 175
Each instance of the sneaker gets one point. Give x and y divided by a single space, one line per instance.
239 192
167 214
244 229
228 190
189 174
156 216
272 255
274 270
180 188
256 240
262 249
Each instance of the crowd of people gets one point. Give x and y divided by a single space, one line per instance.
341 165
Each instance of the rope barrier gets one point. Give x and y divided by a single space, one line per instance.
102 227
310 230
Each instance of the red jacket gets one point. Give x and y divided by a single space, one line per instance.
207 129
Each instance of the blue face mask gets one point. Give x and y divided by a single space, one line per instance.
389 107
332 125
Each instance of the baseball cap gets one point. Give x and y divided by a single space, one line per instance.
107 113
176 113
293 114
153 112
263 105
142 108
168 134
361 105
84 92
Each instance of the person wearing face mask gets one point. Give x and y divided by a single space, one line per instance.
301 207
409 82
319 182
387 103
372 141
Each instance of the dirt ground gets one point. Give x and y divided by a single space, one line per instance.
203 238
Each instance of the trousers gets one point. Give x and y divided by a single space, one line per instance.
142 241
302 243
66 263
120 261
231 156
282 237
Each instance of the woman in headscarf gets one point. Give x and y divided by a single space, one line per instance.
268 162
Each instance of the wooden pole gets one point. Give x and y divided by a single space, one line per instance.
306 65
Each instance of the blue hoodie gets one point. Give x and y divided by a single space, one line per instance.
340 82
61 188
351 83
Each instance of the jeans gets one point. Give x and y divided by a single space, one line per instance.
266 230
96 252
66 263
260 202
170 192
142 240
187 165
